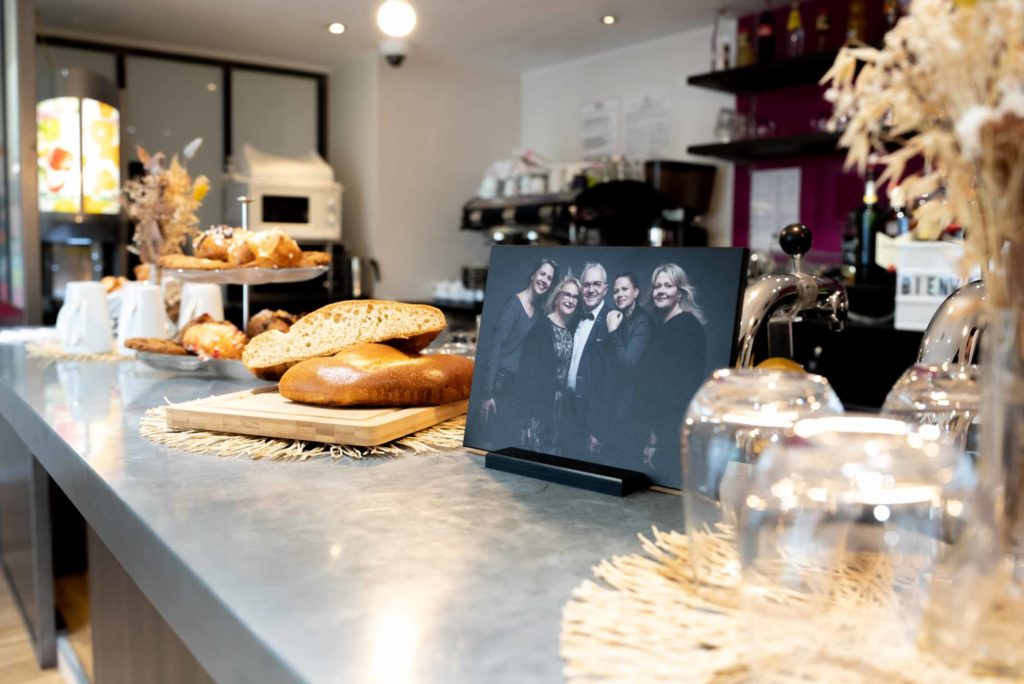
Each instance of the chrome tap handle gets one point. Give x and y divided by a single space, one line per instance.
795 240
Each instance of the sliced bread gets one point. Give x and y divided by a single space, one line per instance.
330 329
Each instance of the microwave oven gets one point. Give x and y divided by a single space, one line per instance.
306 212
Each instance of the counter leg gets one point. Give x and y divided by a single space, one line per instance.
26 541
131 641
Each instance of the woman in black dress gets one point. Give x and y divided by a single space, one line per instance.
630 332
677 361
547 353
500 368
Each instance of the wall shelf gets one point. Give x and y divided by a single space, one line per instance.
759 78
766 149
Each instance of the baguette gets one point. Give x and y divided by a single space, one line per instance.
378 375
330 329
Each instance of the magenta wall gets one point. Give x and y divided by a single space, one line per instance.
827 193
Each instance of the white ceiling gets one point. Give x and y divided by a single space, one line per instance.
511 35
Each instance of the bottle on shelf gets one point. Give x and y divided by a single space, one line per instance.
891 13
855 23
822 29
766 37
719 48
795 37
867 219
744 51
872 221
897 221
724 57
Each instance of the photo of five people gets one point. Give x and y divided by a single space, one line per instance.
594 353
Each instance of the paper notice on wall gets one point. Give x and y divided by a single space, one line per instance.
599 128
774 204
647 125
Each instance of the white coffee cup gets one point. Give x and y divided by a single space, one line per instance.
83 323
198 299
142 315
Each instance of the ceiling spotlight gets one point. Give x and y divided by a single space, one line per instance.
609 19
396 18
337 28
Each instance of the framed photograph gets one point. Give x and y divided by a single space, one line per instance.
593 353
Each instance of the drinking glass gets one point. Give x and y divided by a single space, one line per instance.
731 420
945 396
843 525
725 125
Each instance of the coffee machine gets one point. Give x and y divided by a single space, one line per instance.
663 209
687 189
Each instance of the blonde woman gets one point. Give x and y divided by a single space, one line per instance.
547 352
677 360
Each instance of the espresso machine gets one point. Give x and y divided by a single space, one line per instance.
663 209
687 189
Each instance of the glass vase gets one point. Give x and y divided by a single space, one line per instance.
978 612
999 640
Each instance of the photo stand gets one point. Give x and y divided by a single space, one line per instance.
567 471
565 391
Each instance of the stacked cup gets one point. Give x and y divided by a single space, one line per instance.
83 323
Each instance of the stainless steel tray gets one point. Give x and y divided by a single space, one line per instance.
194 365
247 276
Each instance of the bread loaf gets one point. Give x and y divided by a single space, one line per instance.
330 329
378 375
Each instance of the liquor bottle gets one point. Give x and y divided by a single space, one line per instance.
822 29
897 221
891 12
744 51
794 31
868 216
722 62
766 38
855 22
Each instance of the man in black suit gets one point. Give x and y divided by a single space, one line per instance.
588 367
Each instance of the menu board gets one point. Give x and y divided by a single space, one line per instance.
101 177
59 149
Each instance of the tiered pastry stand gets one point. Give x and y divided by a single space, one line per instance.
248 276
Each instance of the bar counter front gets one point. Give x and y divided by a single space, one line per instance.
419 568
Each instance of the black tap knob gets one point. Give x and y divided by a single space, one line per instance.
795 240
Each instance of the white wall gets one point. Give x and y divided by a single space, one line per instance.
432 128
352 135
552 96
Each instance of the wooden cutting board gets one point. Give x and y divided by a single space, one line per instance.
265 413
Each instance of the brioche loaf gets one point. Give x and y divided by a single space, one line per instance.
330 329
378 375
214 340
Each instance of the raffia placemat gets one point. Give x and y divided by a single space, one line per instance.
153 426
49 352
643 618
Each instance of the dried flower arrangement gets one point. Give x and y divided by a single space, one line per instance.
163 204
947 86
